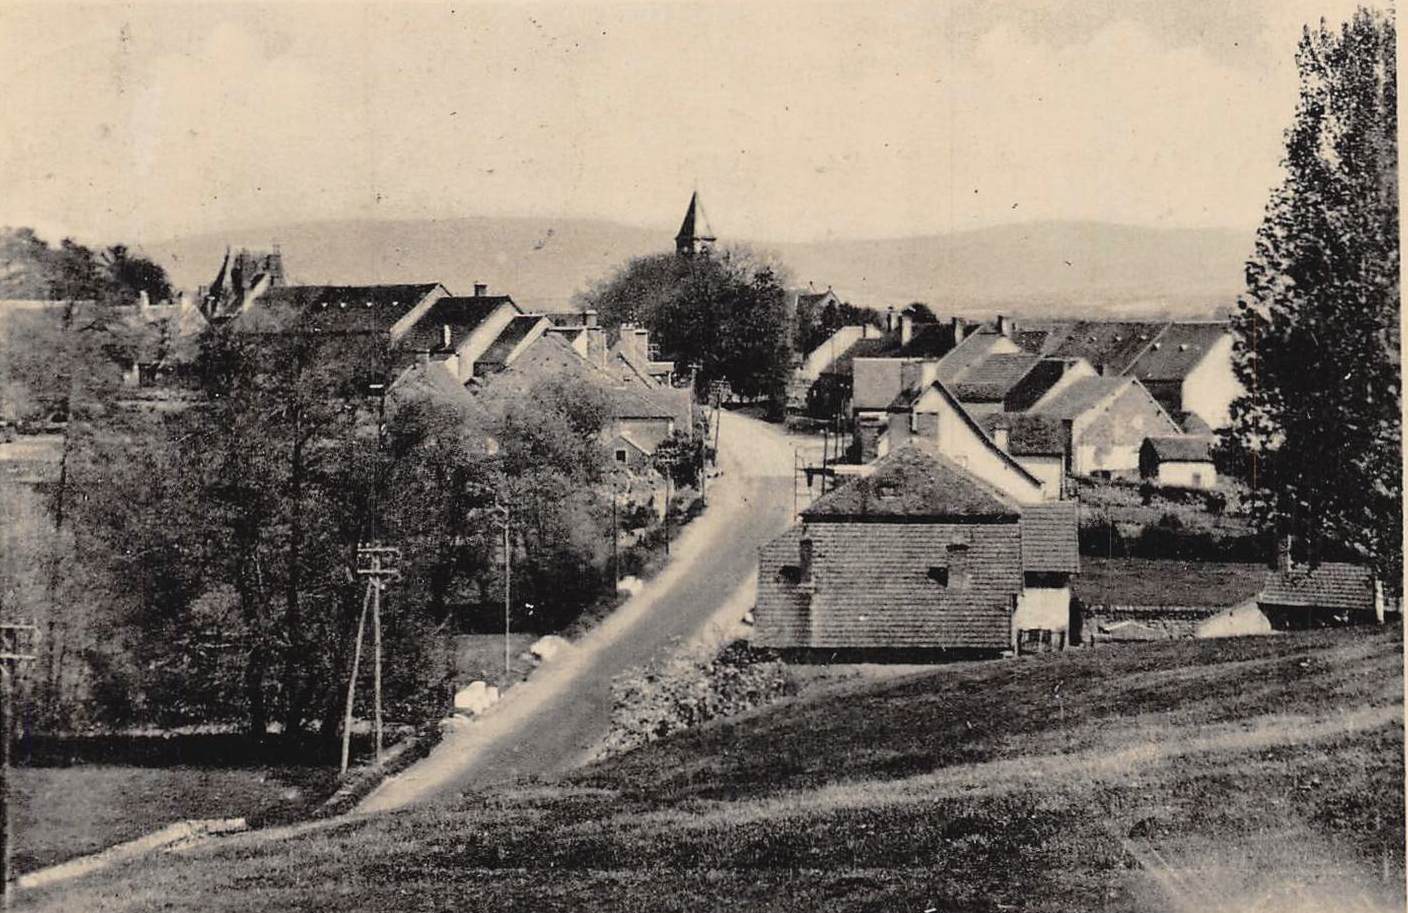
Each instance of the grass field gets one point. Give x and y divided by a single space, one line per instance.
1140 581
1240 774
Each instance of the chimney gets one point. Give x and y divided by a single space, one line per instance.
890 319
906 328
1001 437
805 557
589 318
480 289
445 335
1006 326
959 330
1283 554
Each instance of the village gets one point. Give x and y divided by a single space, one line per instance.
933 555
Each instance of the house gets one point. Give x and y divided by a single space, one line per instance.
1178 460
902 339
1188 368
633 357
919 557
461 330
346 310
1109 417
1333 592
164 339
242 279
1039 443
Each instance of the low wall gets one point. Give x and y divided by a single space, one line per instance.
1119 623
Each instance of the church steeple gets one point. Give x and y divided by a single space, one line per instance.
695 234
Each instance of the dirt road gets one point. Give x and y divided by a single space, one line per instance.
551 722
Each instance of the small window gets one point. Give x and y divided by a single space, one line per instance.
790 573
939 575
621 454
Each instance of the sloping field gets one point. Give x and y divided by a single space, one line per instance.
1245 774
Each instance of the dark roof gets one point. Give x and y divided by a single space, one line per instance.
974 348
1192 423
1032 340
512 334
1079 396
637 402
871 587
1181 448
1049 542
928 340
990 380
1112 343
1332 585
695 226
1037 383
461 315
349 308
872 347
1028 435
1178 350
815 297
914 482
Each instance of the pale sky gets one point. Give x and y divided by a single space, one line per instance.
797 121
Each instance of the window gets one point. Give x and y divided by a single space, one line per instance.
939 575
790 573
620 454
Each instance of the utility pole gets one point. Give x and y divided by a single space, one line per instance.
501 511
16 646
380 569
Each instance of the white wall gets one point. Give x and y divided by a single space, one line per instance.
1209 388
824 355
1181 474
1041 607
1048 470
481 337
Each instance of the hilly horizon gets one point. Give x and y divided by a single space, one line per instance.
1036 269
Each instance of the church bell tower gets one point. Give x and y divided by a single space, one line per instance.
695 236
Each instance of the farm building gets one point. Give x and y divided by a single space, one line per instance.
1178 460
918 556
1331 593
1109 416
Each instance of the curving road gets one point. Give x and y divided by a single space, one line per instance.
552 722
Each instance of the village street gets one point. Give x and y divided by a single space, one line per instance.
553 721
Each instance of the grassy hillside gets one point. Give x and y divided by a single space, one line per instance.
1246 774
1037 269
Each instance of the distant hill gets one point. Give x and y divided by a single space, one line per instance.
1035 269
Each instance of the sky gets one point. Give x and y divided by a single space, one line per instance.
796 121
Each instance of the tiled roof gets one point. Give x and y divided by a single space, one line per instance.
1177 350
928 340
975 348
1032 340
871 587
990 380
1112 343
1080 396
349 308
503 345
461 315
914 482
637 402
1332 585
1037 383
873 347
1181 448
1049 541
1192 423
548 357
1027 434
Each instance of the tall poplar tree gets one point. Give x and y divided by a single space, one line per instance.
1318 433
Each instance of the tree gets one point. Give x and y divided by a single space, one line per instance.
920 312
1318 433
725 312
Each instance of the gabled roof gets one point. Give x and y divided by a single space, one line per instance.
974 348
873 347
928 340
1192 423
1181 448
913 482
695 226
1037 382
1080 396
514 332
1007 458
349 308
636 402
990 380
1332 585
1178 350
1049 539
1027 434
1116 344
461 315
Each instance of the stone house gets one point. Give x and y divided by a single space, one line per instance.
1178 460
1109 418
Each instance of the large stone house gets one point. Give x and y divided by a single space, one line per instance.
1109 418
919 556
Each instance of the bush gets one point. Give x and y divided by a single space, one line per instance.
684 692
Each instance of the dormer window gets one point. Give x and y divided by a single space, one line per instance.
939 575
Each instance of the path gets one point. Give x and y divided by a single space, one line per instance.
550 723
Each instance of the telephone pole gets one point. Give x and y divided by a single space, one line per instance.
16 646
501 512
378 563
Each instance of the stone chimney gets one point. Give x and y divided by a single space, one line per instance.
906 328
1006 326
959 329
890 319
804 550
589 318
1002 438
480 289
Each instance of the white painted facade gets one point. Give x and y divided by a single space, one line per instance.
1210 388
1046 608
943 422
477 342
1188 474
838 344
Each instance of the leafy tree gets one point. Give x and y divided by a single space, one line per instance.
1318 433
816 326
725 312
920 312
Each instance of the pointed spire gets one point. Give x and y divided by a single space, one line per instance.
695 234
